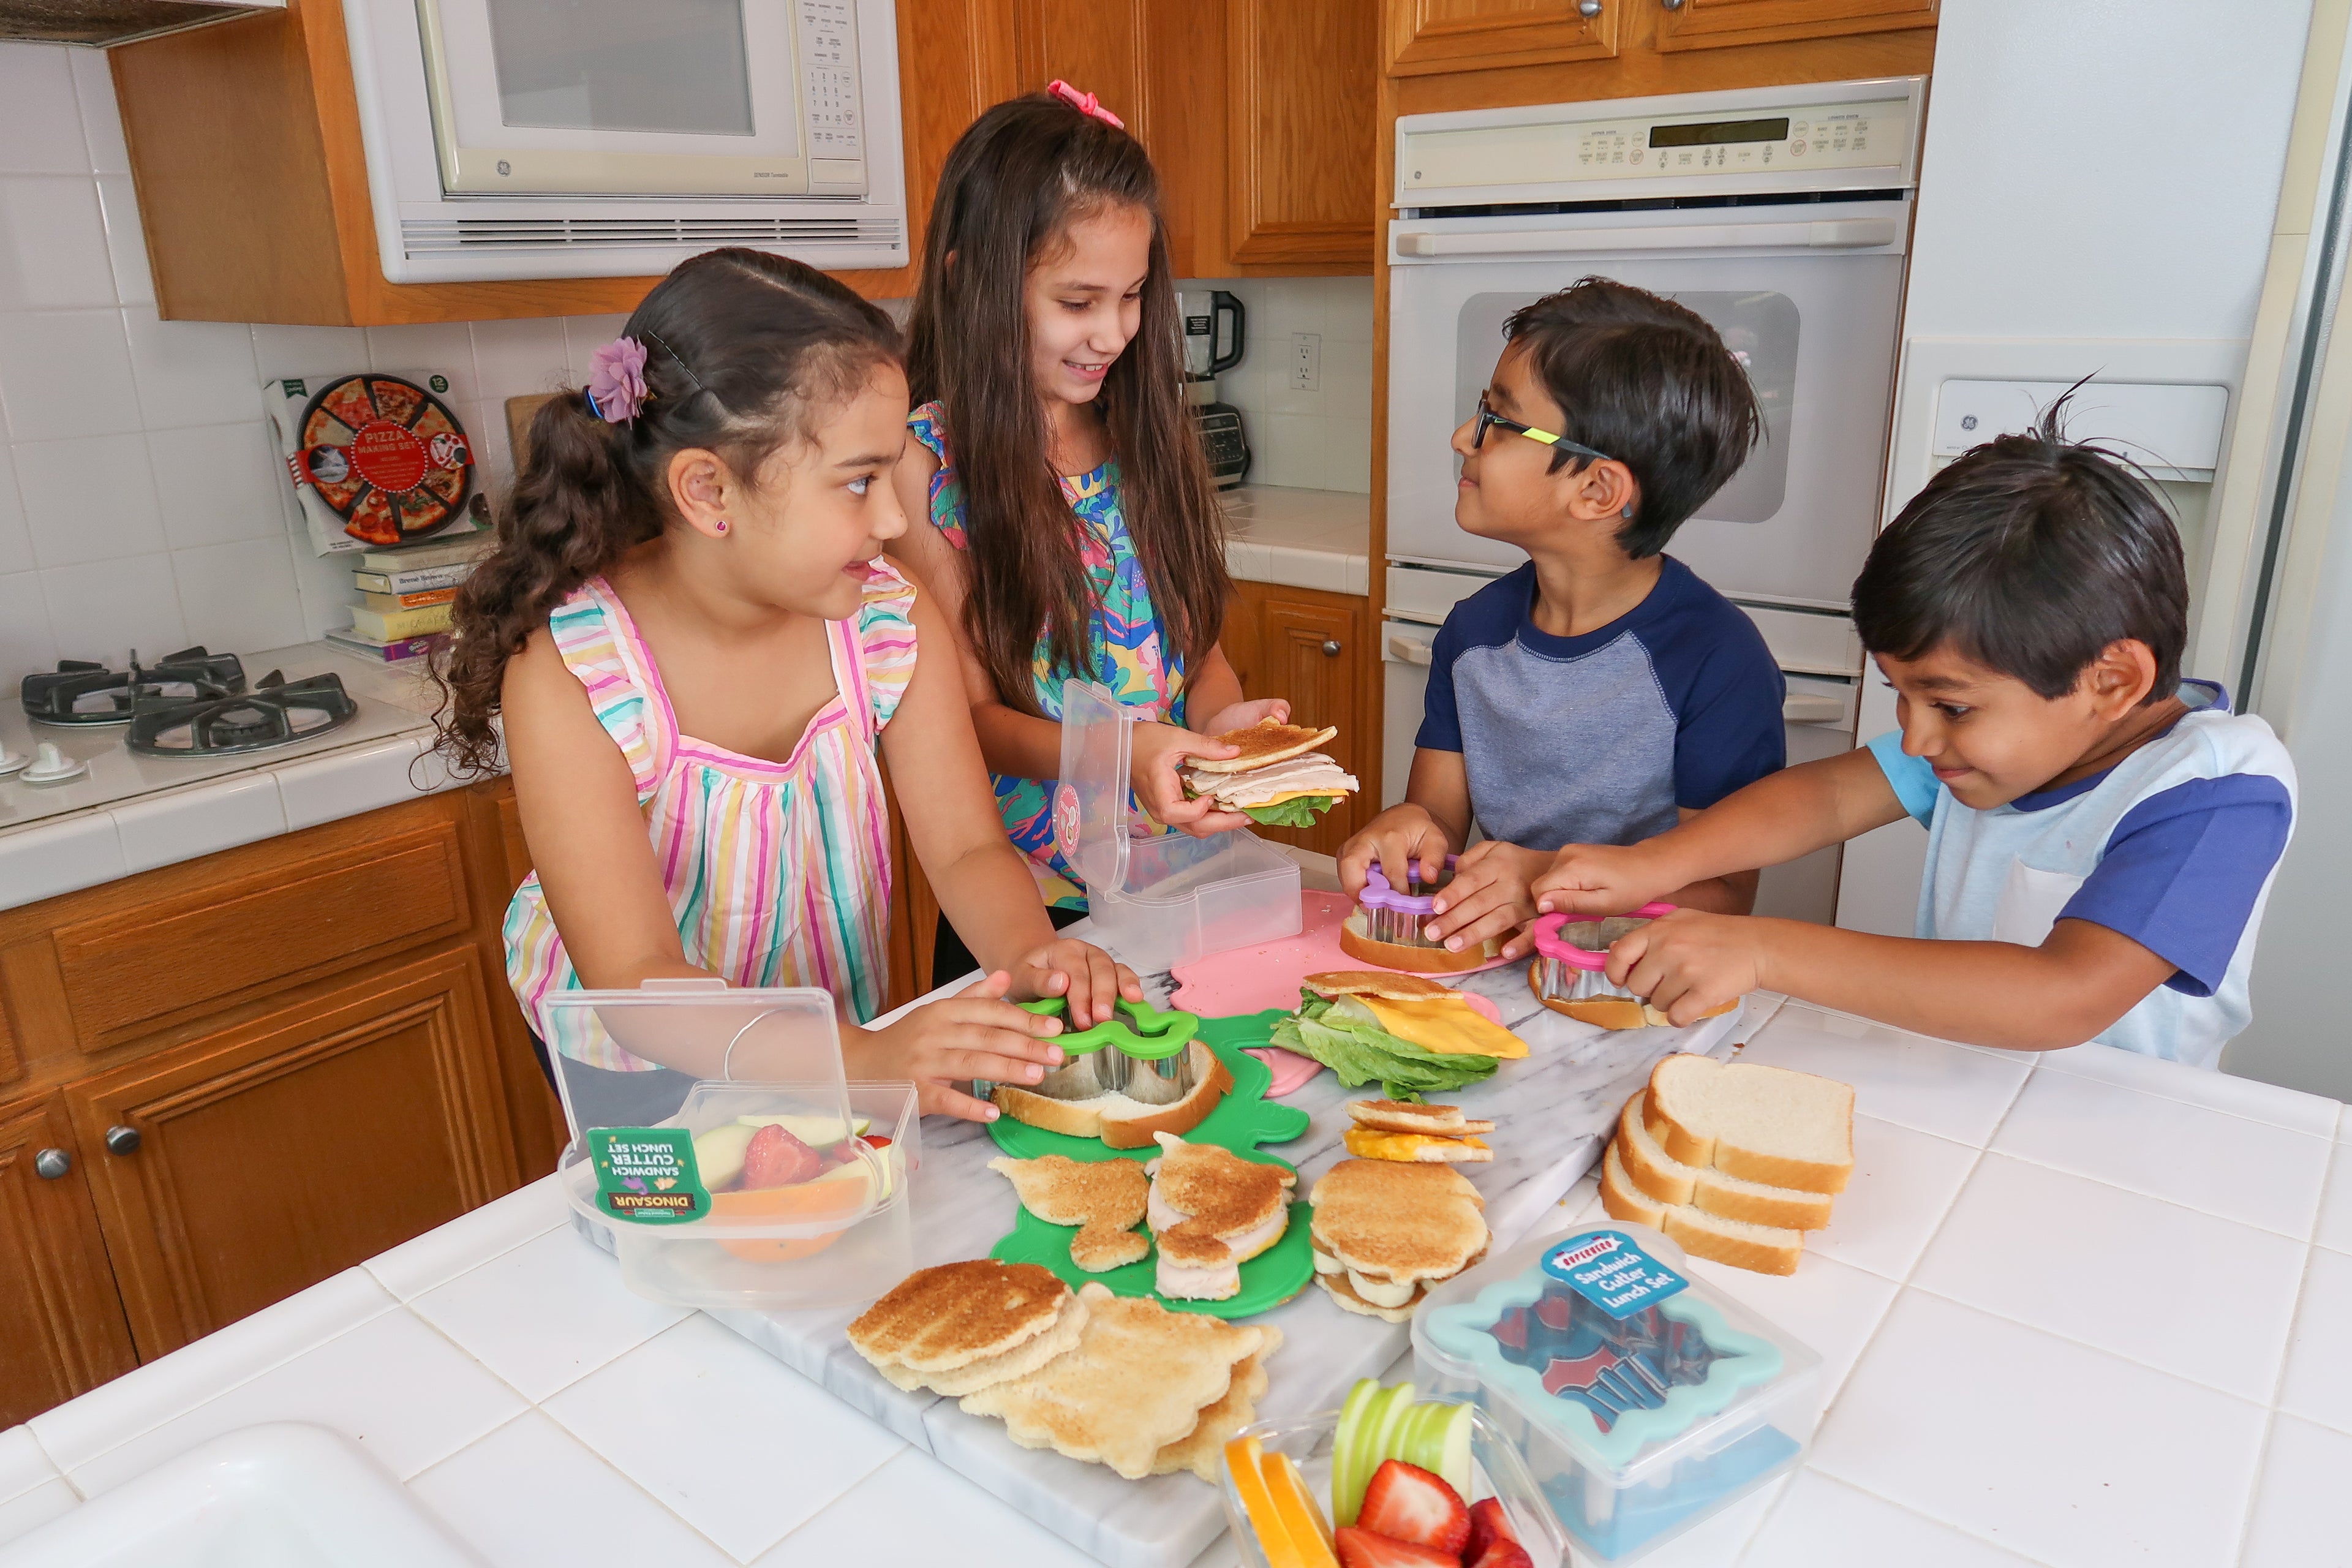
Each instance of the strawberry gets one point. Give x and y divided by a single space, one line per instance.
774 1158
1405 1503
1501 1552
1488 1523
1366 1549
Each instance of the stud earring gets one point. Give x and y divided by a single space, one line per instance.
1627 514
722 523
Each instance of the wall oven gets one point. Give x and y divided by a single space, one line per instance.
1780 215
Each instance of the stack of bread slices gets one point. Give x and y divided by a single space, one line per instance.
1733 1161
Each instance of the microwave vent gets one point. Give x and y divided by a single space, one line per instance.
443 236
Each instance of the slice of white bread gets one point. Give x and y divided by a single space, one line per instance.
1766 1124
1763 1249
1668 1180
1121 1122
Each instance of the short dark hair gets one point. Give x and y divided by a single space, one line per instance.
2029 556
1650 383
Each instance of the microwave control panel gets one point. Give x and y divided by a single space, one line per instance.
830 110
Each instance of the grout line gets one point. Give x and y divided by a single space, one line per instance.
1940 1523
2278 1391
2142 1192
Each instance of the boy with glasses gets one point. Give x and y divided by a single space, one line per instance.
1601 693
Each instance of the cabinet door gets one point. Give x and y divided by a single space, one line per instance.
1712 24
66 1330
1301 95
1313 652
289 1147
1426 36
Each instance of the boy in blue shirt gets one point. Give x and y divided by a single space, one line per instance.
2102 833
1601 692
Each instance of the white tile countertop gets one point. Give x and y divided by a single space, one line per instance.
2076 1312
1300 538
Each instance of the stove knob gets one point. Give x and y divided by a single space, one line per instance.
51 1163
122 1140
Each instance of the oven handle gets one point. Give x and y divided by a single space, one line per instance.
1833 234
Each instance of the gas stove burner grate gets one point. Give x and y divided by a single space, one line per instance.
81 692
278 713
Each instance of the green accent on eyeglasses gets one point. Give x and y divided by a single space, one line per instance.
1487 417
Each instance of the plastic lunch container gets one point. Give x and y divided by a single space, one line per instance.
1495 1467
1642 1399
845 1235
1571 959
1157 899
1397 916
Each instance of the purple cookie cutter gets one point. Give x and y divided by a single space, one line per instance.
1393 917
1571 961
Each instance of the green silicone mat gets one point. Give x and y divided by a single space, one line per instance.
1242 1121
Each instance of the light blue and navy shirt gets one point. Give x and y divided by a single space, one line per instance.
1597 738
2174 847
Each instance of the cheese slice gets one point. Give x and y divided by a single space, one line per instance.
1370 1143
1447 1027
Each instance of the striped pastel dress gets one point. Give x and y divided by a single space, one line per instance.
1125 651
779 873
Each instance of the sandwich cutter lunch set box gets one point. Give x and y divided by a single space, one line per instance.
1642 1399
1158 898
763 1179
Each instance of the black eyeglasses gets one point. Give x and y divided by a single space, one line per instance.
1487 417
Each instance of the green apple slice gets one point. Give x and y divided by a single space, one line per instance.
1454 1448
719 1154
1348 1472
1389 1436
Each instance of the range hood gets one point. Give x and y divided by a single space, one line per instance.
100 23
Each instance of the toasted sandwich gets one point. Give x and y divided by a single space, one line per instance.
963 1327
1416 1134
1385 1232
1212 1211
1105 1198
1279 778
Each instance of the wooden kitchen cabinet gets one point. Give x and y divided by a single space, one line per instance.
1624 44
303 1051
273 1154
1316 649
1720 24
1425 35
66 1328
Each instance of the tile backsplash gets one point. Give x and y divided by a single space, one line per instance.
142 499
1319 440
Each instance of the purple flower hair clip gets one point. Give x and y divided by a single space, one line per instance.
617 381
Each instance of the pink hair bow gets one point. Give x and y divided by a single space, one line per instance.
1085 103
616 379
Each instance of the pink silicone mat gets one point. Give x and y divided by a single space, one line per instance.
1252 979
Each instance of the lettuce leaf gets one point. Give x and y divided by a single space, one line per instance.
1298 811
1361 1054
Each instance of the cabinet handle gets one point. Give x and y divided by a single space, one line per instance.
1331 647
1588 9
122 1140
1671 5
51 1163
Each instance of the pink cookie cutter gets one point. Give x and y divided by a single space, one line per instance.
1395 917
1572 953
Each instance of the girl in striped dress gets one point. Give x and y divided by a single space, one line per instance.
700 659
1066 515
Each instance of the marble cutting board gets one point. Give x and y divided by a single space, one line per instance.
1553 1113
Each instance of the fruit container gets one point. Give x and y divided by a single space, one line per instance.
1157 899
1496 1470
1642 1399
749 1174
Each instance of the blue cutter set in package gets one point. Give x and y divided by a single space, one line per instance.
1643 1399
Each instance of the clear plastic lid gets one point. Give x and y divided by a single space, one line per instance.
667 1035
1158 898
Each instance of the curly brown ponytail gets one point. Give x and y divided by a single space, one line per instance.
743 348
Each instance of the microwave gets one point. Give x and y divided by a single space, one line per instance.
511 139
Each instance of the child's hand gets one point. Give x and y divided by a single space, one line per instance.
1487 898
1689 962
1599 879
1247 715
1089 977
944 1046
1154 753
1404 841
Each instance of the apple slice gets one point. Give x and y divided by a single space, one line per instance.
1348 1472
719 1154
1453 1447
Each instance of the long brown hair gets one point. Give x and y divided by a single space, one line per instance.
1015 181
741 349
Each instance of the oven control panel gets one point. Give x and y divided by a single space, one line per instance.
1579 151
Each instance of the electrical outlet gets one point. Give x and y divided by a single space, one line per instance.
1305 361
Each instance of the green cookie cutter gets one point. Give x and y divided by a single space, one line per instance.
1147 1033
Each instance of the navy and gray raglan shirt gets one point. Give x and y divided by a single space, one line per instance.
1597 738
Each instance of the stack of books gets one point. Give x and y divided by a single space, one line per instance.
404 597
